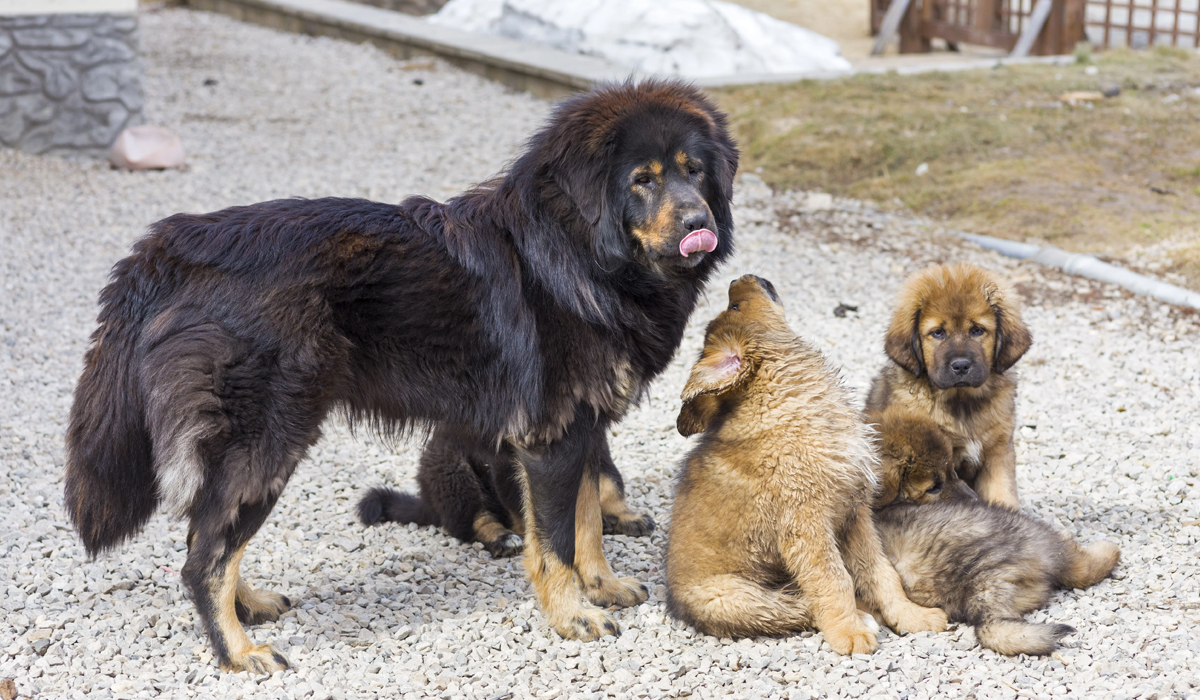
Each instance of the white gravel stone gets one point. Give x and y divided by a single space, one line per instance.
1107 446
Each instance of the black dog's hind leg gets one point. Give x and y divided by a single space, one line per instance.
619 518
215 548
563 541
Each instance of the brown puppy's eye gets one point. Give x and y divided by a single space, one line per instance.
939 334
934 490
733 307
976 331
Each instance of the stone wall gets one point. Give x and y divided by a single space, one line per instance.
69 83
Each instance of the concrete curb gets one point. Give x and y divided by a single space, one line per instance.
1088 266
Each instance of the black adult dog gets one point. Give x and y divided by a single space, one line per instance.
533 309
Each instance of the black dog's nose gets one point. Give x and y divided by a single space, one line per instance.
961 366
695 220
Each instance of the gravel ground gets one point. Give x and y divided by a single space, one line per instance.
1107 446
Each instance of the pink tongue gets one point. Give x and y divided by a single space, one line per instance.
700 239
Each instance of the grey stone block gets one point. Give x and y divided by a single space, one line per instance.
51 38
68 83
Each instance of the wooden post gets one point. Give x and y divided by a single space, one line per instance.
912 39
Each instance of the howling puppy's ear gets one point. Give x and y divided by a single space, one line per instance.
1012 338
696 414
723 366
903 342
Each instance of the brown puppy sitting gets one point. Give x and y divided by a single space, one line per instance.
771 530
954 334
985 565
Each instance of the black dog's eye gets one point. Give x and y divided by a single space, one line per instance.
939 334
976 331
693 170
643 180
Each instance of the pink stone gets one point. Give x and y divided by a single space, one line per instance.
147 148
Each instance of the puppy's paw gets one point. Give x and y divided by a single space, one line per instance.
869 622
508 545
852 639
587 624
914 618
630 524
256 607
609 591
260 660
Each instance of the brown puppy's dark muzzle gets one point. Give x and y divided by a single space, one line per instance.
959 365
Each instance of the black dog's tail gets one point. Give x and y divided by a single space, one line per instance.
382 504
110 486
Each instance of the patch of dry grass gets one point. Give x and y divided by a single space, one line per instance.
1118 177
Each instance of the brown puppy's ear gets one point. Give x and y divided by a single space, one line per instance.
891 473
696 414
1012 338
903 342
723 366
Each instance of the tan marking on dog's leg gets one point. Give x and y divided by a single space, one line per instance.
815 562
256 607
996 482
243 655
879 585
558 591
619 518
599 583
497 539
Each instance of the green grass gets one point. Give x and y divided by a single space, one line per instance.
1005 156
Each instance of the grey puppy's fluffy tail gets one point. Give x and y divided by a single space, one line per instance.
382 504
1016 636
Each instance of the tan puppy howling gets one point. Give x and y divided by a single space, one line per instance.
771 531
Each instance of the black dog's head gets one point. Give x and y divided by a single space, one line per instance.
649 169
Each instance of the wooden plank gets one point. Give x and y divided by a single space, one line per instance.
1037 20
891 22
967 35
911 40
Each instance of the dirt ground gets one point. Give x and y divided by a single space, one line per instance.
1004 152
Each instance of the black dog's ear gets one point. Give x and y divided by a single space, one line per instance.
1012 338
903 342
586 182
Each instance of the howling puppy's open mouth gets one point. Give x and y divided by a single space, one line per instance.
700 239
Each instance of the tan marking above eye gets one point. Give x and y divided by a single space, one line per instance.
655 167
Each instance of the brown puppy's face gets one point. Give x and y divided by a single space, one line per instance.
665 209
958 325
731 351
957 337
917 464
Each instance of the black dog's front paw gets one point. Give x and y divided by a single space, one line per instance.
509 545
631 524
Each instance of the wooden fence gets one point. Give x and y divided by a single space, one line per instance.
999 23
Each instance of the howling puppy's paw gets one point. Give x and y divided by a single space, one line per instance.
260 660
852 639
587 624
622 592
256 607
508 545
914 618
630 524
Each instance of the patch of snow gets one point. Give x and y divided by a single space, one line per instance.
684 38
